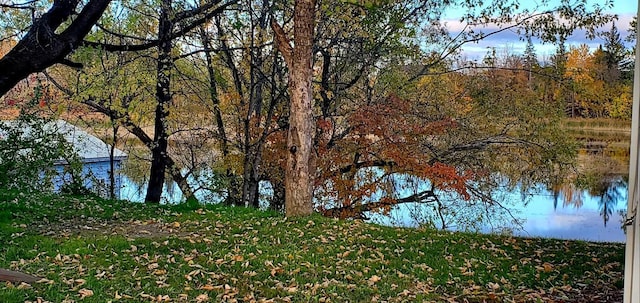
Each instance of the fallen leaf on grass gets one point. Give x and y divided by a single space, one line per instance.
202 298
494 286
374 279
45 281
84 293
208 287
547 267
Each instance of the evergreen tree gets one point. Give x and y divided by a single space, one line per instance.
613 46
530 58
559 59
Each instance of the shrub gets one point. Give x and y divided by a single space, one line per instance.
30 149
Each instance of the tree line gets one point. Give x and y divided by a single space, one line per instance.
341 107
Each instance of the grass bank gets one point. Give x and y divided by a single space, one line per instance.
92 250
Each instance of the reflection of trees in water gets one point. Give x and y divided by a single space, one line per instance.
571 195
610 192
607 189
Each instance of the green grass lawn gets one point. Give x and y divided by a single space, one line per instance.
91 250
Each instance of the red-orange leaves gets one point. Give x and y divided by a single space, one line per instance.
446 177
397 121
385 141
324 124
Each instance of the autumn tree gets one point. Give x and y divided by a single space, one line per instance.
340 178
373 95
450 138
586 87
237 77
530 57
616 71
596 81
173 25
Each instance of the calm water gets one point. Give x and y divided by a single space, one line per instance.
581 215
587 216
597 219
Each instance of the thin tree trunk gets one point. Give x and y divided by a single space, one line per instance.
171 166
233 187
180 180
251 177
139 133
277 201
253 152
112 166
163 99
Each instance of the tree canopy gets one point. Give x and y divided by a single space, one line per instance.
341 107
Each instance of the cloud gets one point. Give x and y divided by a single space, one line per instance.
509 41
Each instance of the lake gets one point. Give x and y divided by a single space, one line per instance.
592 214
587 216
567 214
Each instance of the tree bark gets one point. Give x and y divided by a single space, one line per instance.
251 180
14 276
42 46
171 165
299 170
277 201
163 99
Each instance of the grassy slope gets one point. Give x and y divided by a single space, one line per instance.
89 250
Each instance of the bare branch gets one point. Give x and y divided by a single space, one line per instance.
356 211
23 5
181 31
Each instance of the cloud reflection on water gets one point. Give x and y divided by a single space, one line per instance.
568 222
579 219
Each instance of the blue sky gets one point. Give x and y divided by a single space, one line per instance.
509 41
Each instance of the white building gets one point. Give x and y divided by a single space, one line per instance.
95 156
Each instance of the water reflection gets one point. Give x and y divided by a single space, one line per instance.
593 214
570 213
563 212
607 191
611 193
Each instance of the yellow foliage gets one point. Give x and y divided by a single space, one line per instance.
233 162
6 46
230 102
579 63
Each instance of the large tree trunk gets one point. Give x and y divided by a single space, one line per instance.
299 171
163 99
45 44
